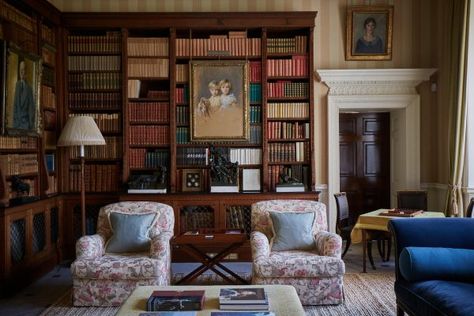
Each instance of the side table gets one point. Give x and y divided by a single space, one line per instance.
190 243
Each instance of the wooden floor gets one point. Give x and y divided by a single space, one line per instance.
36 297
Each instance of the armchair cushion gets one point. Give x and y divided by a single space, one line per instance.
130 232
292 231
434 263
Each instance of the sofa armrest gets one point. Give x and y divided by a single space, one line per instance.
90 247
260 245
160 246
328 244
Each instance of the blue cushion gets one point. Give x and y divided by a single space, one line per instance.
130 232
292 231
427 263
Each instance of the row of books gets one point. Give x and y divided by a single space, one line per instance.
196 218
23 142
111 42
48 54
94 100
287 130
148 112
15 164
48 34
182 115
112 149
148 67
255 71
94 81
182 135
297 151
297 66
94 63
288 110
196 156
246 156
149 135
237 218
97 178
48 97
182 94
255 92
13 14
107 123
48 77
255 114
146 158
182 72
289 89
147 46
218 47
293 45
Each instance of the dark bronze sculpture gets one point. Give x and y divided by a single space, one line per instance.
223 172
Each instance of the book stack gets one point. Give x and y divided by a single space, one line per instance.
175 301
243 299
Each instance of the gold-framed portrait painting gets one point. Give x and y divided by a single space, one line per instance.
21 85
369 33
219 100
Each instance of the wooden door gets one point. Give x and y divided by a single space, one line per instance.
364 144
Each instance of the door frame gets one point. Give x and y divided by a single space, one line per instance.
391 90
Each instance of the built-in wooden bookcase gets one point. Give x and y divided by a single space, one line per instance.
157 51
94 88
31 232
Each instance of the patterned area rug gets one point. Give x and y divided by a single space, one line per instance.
365 294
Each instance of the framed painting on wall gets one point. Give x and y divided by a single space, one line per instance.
21 85
369 33
219 100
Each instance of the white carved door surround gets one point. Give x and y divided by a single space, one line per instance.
371 90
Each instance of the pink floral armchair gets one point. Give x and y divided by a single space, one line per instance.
317 274
103 279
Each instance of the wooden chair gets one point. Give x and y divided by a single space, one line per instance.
412 200
469 208
344 229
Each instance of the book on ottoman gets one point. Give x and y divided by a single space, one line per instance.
175 301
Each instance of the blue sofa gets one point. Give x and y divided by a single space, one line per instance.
434 266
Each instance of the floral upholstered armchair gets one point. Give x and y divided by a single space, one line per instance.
291 245
103 274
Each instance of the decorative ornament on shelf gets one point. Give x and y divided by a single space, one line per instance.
224 173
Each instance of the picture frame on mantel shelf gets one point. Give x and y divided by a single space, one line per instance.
219 100
369 32
21 80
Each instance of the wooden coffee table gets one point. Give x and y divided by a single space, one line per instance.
283 299
191 245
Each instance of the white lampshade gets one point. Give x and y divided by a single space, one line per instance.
80 131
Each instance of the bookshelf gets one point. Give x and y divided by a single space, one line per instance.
156 109
31 221
94 88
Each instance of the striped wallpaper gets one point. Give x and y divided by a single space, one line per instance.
420 40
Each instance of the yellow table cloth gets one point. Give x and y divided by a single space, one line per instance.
374 221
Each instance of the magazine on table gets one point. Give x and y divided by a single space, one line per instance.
242 313
175 301
187 313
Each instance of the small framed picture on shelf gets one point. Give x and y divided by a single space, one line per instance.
20 88
192 180
219 101
251 180
369 33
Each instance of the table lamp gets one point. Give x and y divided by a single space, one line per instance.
81 131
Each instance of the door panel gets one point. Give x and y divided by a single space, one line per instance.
364 140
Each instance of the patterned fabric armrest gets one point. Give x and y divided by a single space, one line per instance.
328 244
260 245
160 246
89 247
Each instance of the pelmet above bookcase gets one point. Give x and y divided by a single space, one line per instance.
155 52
